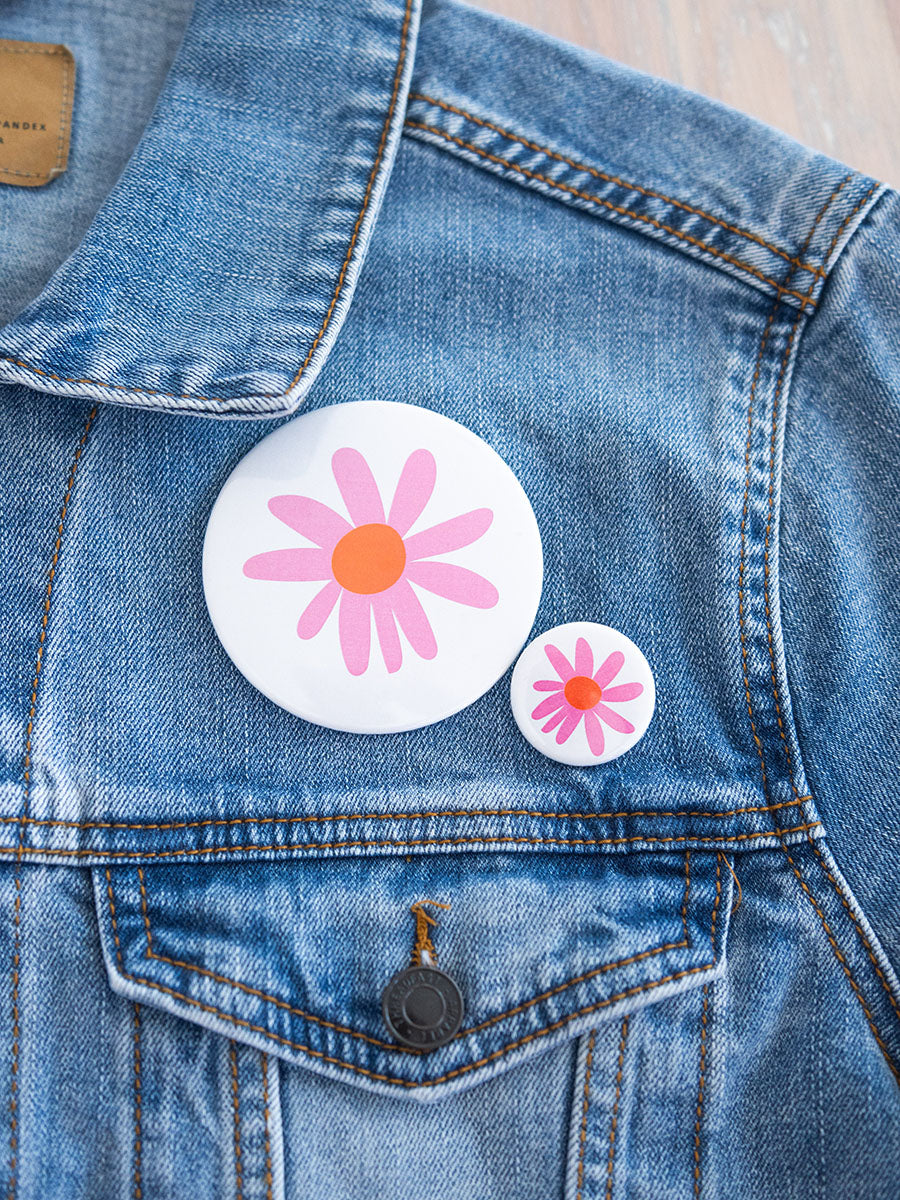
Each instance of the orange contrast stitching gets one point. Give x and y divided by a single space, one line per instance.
746 503
251 991
782 372
894 1068
585 1105
136 1176
339 286
192 852
512 1012
268 1143
614 1120
403 816
856 925
687 894
617 208
700 1090
236 1109
766 554
846 221
424 946
771 506
712 932
407 1083
62 109
624 183
26 795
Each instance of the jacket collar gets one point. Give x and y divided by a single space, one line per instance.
217 273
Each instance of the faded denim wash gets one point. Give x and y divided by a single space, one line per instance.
682 332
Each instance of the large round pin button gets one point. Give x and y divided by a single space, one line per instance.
422 1007
582 693
372 566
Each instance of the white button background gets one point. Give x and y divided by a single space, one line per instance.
534 667
256 619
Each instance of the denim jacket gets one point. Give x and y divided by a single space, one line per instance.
681 331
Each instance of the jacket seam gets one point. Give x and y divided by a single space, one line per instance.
893 1066
194 851
867 945
839 891
267 1139
409 1083
771 504
614 1118
685 943
895 1070
539 177
20 849
236 1118
585 1107
312 818
137 1189
701 1095
628 185
742 558
339 286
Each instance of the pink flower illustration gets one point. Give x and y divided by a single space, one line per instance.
576 695
371 563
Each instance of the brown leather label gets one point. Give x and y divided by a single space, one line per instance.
37 84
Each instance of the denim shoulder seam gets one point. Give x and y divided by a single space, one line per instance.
873 952
875 1008
794 278
763 656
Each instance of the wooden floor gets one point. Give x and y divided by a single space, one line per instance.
825 71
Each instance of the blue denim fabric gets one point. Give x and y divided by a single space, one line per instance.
680 329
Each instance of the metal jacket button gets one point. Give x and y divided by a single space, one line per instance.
422 1007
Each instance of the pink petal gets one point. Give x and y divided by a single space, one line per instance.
412 619
355 630
358 487
559 662
453 583
609 668
554 721
584 658
548 705
295 566
613 719
449 535
623 691
385 627
413 491
548 685
568 727
311 519
594 731
318 611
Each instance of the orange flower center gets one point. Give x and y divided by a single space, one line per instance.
369 559
582 692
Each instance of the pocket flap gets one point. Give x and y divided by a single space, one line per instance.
293 957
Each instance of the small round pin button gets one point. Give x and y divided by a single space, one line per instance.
422 1007
582 693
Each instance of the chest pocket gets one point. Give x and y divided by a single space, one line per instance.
293 957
